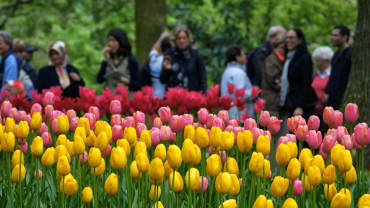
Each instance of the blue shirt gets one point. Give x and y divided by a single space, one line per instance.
155 65
10 70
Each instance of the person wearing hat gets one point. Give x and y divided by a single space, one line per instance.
28 52
60 72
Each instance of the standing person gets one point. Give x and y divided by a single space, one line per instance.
119 66
322 57
255 66
60 72
234 77
296 93
8 62
271 79
183 66
28 52
156 61
340 67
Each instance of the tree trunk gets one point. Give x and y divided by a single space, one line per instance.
150 16
358 89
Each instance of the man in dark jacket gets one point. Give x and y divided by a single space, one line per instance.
340 67
257 62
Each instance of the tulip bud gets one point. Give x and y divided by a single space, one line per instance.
256 162
8 141
345 163
160 152
215 137
294 169
274 125
70 185
47 158
329 174
156 171
264 118
263 144
36 121
37 147
78 145
314 175
245 141
142 162
328 116
63 124
174 156
111 184
130 134
235 185
337 119
118 158
304 156
153 191
167 169
227 141
348 197
17 155
15 173
189 132
361 134
232 166
123 143
22 130
146 137
194 179
213 166
223 182
134 171
283 154
302 132
364 201
307 186
94 158
297 187
158 204
313 123
201 137
351 175
261 201
279 186
115 107
177 181
265 171
290 203
164 113
87 195
140 147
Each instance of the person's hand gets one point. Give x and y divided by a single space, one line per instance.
164 34
167 63
298 111
106 53
278 83
325 98
123 80
74 76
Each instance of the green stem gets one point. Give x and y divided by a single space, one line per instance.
37 181
19 176
203 174
251 191
63 202
10 185
79 180
94 188
211 192
189 188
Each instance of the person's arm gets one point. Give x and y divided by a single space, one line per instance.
166 69
75 75
258 65
103 68
10 70
157 44
134 82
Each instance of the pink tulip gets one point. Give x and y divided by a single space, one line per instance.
165 114
157 122
106 153
322 153
203 186
313 123
83 157
229 128
129 121
22 115
347 142
36 107
292 138
54 126
14 114
351 113
46 138
48 99
338 119
95 110
224 115
155 136
6 107
297 187
37 174
259 105
210 118
217 121
341 131
115 107
332 132
264 118
354 142
256 133
202 115
196 125
55 114
172 137
92 119
314 139
165 133
233 122
48 111
294 122
282 139
274 125
116 119
222 155
43 128
139 117
139 128
361 134
24 146
328 116
117 132
73 123
249 124
71 114
177 123
188 119
328 143
302 132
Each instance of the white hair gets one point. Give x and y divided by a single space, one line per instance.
274 30
323 52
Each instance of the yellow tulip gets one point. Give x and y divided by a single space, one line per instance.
111 184
227 141
80 131
319 162
270 204
336 153
266 168
69 145
9 125
189 132
102 141
123 143
37 146
294 169
134 171
174 156
329 174
293 149
260 202
364 201
78 145
70 185
87 195
156 171
130 135
63 124
263 144
256 162
215 137
194 179
61 150
223 182
63 167
48 158
158 204
329 194
304 156
140 147
15 173
167 169
142 162
61 140
290 203
146 137
108 131
338 201
306 184
283 154
314 175
177 181
17 155
244 141
160 152
198 155
36 121
90 140
118 158
279 186
231 203
351 175
232 166
348 197
99 127
345 163
85 124
235 185
8 142
188 151
22 130
201 137
213 167
94 157
98 171
153 191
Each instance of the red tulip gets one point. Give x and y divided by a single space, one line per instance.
361 134
115 107
314 139
165 114
49 98
264 118
139 117
328 116
202 115
249 124
297 187
302 132
36 107
6 107
230 88
224 115
313 123
274 125
351 113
